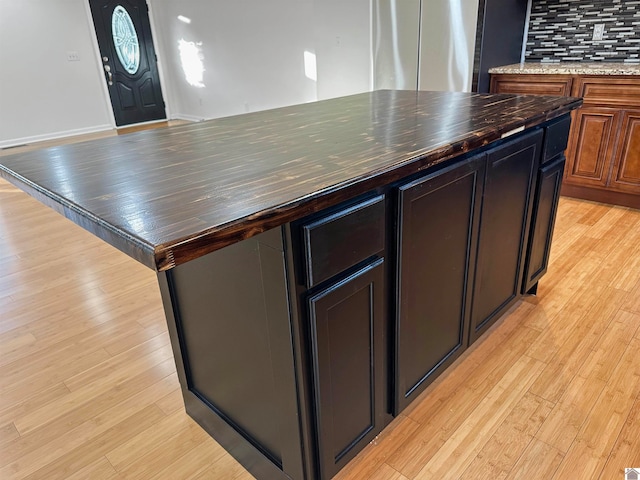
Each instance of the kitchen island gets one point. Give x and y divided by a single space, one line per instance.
321 264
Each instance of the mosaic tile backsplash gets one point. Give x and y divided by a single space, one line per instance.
562 30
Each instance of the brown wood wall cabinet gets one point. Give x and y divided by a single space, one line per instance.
321 264
603 156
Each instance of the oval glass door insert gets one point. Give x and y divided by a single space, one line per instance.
125 39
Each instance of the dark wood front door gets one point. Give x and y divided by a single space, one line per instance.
128 60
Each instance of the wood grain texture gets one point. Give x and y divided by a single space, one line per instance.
520 84
166 196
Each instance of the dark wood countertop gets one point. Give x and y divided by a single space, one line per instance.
167 196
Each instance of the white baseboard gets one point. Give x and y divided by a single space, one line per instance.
13 142
189 118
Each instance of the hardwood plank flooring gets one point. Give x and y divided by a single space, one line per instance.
90 136
88 387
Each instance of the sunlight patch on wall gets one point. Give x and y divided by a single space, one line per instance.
310 69
191 60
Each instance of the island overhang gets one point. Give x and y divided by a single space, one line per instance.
171 195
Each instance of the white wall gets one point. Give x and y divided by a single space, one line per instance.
42 95
252 52
342 43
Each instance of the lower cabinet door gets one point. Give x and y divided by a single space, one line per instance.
543 220
504 230
626 174
438 224
348 351
591 146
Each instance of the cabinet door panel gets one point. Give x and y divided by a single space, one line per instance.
506 210
626 174
544 217
591 146
438 230
347 339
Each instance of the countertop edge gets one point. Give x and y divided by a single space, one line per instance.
181 250
601 69
120 239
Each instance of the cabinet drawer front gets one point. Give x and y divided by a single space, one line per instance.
531 84
343 239
555 138
622 92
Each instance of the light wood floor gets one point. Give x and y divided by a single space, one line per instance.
90 136
88 388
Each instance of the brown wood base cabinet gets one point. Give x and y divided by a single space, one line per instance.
603 154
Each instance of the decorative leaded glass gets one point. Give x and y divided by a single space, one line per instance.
125 39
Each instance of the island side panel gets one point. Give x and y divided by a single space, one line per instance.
229 322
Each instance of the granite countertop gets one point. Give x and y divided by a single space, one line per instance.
168 196
569 68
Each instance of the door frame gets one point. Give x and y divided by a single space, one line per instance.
97 55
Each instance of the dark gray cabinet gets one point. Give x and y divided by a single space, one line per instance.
339 240
504 230
543 221
234 353
343 288
347 345
462 241
437 235
297 346
545 205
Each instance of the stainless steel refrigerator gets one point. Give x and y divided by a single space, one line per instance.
445 45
